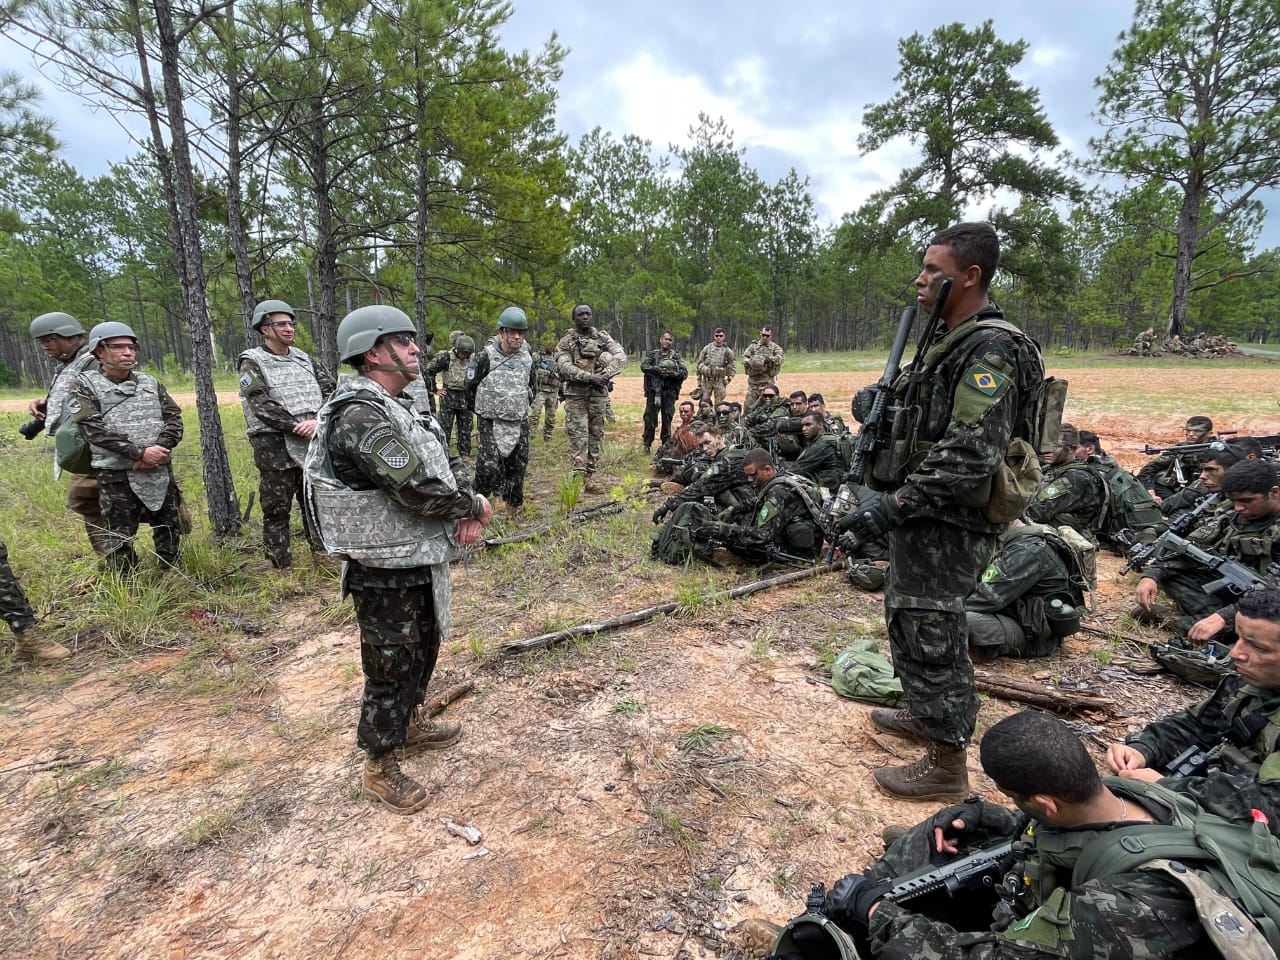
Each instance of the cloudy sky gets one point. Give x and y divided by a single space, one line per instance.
791 79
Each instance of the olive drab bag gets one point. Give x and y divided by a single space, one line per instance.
71 449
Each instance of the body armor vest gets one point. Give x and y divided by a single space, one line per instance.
418 391
455 375
717 359
504 392
291 381
55 407
131 408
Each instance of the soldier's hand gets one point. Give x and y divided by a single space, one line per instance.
1145 595
1207 628
660 514
599 382
305 428
468 531
713 530
152 457
486 510
1122 758
36 409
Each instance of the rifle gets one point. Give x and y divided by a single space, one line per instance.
978 870
1140 554
1270 441
1234 578
1194 761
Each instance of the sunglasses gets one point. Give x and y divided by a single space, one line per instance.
404 339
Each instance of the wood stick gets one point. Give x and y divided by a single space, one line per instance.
586 513
441 700
1050 698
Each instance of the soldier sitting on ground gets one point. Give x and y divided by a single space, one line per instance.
1172 470
820 459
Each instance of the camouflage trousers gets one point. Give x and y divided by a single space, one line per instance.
277 491
456 412
1001 635
82 498
15 610
933 566
584 423
1186 589
123 512
496 474
399 645
544 401
713 390
663 403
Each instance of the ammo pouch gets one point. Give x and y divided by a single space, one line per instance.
892 463
1014 484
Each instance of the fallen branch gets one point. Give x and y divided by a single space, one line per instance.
1115 635
438 702
586 513
649 613
1050 698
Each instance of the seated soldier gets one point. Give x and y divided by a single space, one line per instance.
722 482
1067 815
833 423
820 459
1213 464
1243 713
732 431
784 523
1250 533
1172 470
683 440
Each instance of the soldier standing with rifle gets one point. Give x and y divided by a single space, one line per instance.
975 389
664 371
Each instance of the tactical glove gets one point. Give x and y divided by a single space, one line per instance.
713 530
875 518
662 511
848 904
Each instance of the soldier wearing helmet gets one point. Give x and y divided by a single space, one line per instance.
281 388
386 497
762 362
546 395
63 339
132 425
455 402
587 359
501 384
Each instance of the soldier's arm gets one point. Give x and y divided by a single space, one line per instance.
1152 470
650 362
682 369
171 433
86 412
1058 497
253 388
1202 725
478 370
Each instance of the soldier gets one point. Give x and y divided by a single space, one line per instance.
280 390
832 422
664 371
65 342
16 611
762 362
385 496
784 519
546 397
723 480
979 390
455 400
715 368
682 442
1170 471
734 434
820 460
132 425
501 385
763 420
587 360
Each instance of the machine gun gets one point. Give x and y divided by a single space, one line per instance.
1233 580
1140 554
1195 449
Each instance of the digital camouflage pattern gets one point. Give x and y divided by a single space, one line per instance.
579 357
455 413
1070 497
15 609
1006 613
501 386
499 475
546 396
124 511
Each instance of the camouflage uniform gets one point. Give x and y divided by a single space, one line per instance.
715 370
15 610
277 392
980 386
1137 914
455 405
1006 615
785 518
1077 495
1161 473
578 358
761 362
119 420
773 422
664 372
381 485
546 395
500 386
822 462
82 495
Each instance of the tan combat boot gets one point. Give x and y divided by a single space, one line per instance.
426 734
32 645
941 774
384 784
898 722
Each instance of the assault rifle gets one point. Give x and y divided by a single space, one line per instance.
1140 554
980 869
1234 578
1194 761
1194 449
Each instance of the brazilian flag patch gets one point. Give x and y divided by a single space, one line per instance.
985 380
991 573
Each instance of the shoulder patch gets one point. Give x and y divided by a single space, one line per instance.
246 380
985 380
991 573
394 453
73 406
767 510
1052 490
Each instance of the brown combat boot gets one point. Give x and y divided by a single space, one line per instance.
384 784
426 734
32 645
893 833
941 774
898 722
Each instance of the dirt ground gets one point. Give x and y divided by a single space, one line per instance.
639 794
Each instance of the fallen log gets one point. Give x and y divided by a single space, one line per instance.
1037 695
437 703
649 613
586 513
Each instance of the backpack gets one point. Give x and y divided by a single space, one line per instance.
673 544
1126 504
71 449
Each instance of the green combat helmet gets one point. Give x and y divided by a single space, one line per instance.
62 324
464 345
513 318
361 328
268 307
107 330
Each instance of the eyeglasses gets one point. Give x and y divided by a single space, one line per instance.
766 336
282 323
769 396
404 339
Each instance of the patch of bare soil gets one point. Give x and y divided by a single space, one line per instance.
638 794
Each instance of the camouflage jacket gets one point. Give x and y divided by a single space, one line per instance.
821 462
723 481
580 356
769 354
1166 467
1070 496
784 518
1021 579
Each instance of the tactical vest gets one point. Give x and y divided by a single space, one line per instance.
291 382
1250 756
717 360
368 526
545 371
420 394
503 394
767 358
1251 547
55 406
455 375
130 408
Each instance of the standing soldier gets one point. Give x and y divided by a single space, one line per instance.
715 368
65 342
16 611
132 425
980 384
761 361
280 390
546 396
455 401
587 360
664 371
500 384
385 496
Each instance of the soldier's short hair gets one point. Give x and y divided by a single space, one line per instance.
817 398
1090 439
1249 476
757 458
686 403
972 243
1201 423
814 416
1222 453
710 428
798 394
1263 604
1068 435
1247 447
1032 752
717 330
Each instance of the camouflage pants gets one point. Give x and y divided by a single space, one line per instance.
1000 635
455 411
399 645
14 608
277 491
1186 589
713 390
82 498
123 512
584 423
548 401
496 474
665 404
932 568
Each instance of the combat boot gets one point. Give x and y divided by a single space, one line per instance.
941 774
384 784
898 722
32 645
591 486
426 734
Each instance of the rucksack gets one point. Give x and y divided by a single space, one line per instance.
673 543
1126 502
